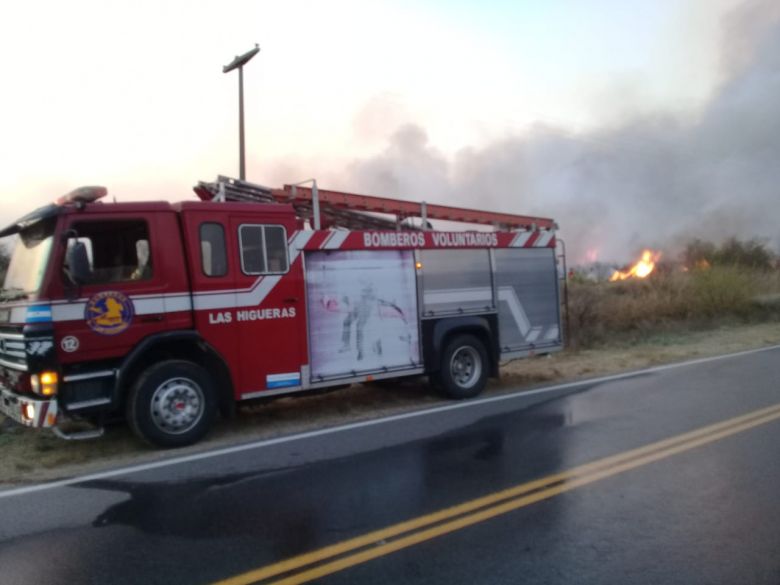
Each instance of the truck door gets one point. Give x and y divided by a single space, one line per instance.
127 296
270 306
213 276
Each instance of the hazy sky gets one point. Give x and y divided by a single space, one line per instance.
131 95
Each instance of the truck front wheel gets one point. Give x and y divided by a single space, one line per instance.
464 367
172 404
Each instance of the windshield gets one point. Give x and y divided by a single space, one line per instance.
28 261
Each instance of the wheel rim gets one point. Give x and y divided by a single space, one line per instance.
465 366
177 405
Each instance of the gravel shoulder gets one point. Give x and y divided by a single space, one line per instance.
29 456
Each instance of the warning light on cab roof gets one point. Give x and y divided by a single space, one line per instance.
83 195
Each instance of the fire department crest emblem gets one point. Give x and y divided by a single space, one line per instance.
109 312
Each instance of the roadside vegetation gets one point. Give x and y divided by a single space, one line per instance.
710 286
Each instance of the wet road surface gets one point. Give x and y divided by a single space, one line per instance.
646 479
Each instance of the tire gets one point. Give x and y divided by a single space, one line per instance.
172 404
463 370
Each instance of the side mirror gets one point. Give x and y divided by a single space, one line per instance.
78 270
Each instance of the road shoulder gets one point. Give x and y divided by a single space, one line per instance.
30 456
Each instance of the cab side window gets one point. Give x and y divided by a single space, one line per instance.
213 252
263 249
118 251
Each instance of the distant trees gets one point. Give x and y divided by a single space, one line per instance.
752 253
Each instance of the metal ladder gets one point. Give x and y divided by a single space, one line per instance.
355 211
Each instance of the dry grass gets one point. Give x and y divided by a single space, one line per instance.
634 309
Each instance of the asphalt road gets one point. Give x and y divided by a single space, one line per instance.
667 476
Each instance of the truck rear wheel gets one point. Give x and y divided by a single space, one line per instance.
463 370
172 404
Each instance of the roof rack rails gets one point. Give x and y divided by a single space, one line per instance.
354 211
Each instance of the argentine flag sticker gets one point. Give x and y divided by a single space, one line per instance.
283 380
38 314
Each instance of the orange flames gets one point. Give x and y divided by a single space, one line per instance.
641 269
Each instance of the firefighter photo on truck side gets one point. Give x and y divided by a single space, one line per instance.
169 315
357 305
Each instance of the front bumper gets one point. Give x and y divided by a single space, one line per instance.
43 411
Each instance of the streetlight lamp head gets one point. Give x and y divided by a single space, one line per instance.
241 60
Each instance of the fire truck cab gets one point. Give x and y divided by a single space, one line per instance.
172 313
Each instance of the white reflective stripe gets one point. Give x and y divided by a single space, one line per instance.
164 295
18 315
69 312
161 304
543 239
551 334
49 418
283 377
299 241
178 303
143 305
458 295
509 296
151 306
257 296
520 239
214 301
533 334
335 241
326 240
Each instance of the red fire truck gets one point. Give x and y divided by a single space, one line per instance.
173 313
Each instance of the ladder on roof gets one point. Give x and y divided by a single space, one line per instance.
354 211
235 190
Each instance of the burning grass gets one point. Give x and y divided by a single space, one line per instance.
665 301
642 269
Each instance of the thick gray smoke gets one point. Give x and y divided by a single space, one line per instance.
654 181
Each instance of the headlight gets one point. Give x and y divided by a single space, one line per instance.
44 383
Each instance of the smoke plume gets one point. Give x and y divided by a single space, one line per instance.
650 180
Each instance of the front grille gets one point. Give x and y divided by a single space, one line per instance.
12 351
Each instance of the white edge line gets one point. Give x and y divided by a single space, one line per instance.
367 423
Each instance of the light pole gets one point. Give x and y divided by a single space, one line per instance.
239 63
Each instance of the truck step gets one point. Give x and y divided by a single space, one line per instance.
78 435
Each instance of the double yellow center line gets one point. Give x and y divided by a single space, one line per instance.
337 557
